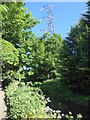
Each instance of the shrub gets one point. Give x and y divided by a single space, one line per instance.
10 58
25 101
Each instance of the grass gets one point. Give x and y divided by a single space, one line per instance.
62 97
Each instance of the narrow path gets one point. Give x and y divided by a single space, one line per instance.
3 108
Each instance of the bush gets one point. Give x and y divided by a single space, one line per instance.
10 58
25 101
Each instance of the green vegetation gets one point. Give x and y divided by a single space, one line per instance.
57 91
75 58
63 98
10 57
16 22
25 101
59 67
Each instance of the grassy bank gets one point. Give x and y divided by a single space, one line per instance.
63 98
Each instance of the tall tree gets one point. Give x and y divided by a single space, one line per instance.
87 15
75 57
16 27
16 23
42 59
87 21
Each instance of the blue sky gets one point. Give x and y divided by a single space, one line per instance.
65 15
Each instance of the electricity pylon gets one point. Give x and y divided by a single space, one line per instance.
49 18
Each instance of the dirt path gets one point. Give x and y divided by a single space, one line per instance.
3 108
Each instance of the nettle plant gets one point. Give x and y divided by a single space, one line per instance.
25 101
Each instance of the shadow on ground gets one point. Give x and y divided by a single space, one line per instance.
59 96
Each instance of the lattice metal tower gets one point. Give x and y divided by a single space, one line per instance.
49 18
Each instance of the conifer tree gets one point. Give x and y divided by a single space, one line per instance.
75 57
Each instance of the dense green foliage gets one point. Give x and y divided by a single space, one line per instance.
61 93
63 98
16 27
75 57
16 22
25 101
47 57
30 58
10 57
42 57
87 15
